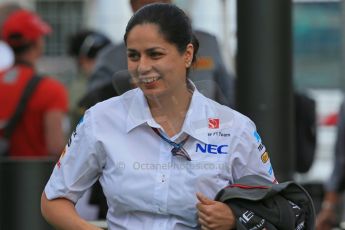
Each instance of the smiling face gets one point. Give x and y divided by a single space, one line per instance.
156 65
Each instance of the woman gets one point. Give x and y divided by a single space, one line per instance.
162 151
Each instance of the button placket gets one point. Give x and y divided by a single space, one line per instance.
162 178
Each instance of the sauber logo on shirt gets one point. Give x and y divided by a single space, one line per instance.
213 149
213 123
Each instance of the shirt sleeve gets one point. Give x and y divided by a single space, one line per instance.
250 156
80 164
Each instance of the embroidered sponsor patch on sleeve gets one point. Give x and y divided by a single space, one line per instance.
265 157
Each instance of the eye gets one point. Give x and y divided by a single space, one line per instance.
133 56
155 54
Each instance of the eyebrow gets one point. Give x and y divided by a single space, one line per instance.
148 50
131 50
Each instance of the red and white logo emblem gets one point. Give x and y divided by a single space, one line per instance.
213 123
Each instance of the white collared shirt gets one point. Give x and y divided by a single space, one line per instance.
145 185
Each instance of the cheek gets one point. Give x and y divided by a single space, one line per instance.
131 66
175 64
179 68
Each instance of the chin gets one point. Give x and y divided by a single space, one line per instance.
153 93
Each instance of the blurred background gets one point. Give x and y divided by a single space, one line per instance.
318 48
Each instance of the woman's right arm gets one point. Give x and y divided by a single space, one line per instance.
62 214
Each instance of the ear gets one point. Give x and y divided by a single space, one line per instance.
188 55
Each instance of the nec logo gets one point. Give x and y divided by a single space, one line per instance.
213 149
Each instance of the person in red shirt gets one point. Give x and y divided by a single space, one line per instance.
40 130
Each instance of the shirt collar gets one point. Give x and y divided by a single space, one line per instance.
138 110
196 121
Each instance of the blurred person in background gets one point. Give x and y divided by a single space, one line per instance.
84 47
332 205
40 130
209 73
6 54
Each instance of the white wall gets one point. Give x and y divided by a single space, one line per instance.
109 16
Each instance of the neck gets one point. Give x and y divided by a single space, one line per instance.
170 110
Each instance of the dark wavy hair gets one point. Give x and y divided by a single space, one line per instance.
172 22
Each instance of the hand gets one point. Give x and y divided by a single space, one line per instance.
325 219
214 215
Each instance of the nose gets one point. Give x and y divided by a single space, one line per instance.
144 65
